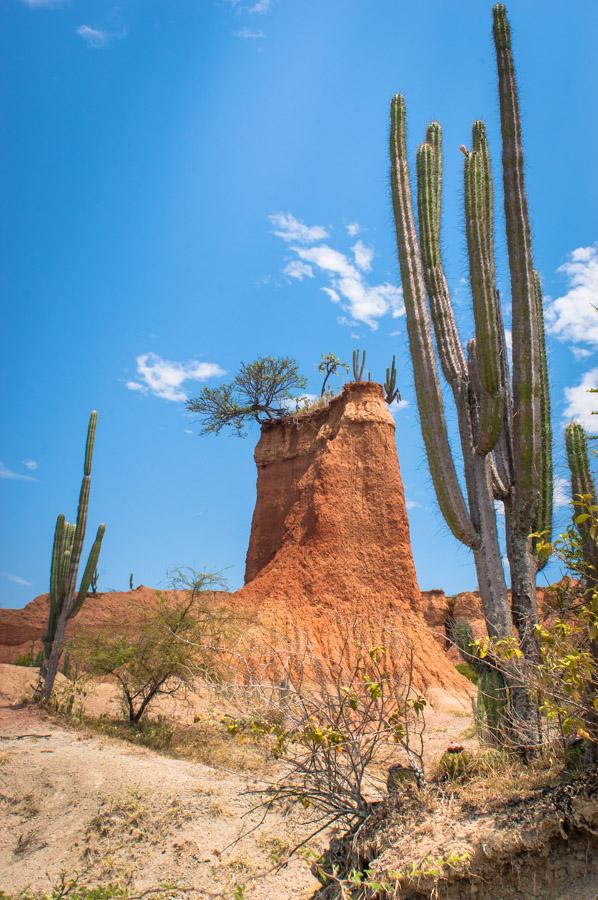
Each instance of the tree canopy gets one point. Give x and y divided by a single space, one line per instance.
262 390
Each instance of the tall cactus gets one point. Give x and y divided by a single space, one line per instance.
504 428
582 483
66 556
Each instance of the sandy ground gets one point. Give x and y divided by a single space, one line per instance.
75 802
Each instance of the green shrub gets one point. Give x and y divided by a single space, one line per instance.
468 671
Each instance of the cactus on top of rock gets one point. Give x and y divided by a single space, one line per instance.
358 364
391 392
504 424
64 568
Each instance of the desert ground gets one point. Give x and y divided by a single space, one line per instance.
91 806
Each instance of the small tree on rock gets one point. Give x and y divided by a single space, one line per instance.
262 390
329 365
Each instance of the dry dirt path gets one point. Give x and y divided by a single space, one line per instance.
118 813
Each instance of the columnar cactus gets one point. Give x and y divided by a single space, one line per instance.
391 392
357 366
504 428
582 483
66 556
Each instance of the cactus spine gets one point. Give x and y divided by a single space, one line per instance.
391 392
66 556
357 365
504 429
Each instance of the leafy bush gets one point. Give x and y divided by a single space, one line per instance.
162 655
468 671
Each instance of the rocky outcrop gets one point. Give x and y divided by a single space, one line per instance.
330 548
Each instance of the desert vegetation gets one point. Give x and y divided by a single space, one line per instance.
333 728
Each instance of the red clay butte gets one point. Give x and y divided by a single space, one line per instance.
330 544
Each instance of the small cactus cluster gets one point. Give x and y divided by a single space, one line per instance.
66 556
358 364
504 423
391 392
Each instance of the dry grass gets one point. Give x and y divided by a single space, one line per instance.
205 741
493 777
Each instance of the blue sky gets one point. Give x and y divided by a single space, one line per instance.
190 184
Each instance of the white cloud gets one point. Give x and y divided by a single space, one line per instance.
94 37
164 378
347 285
394 333
573 316
332 294
260 6
363 256
250 34
30 464
561 492
16 476
580 352
580 403
353 229
292 229
365 303
16 579
299 270
397 405
39 3
412 504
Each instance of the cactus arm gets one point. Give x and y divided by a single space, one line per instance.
526 362
582 483
427 386
479 231
55 567
82 510
544 520
55 581
92 561
429 169
499 489
503 451
487 411
434 139
90 441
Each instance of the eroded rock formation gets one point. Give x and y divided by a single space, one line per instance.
329 554
330 548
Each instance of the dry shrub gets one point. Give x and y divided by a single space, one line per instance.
335 723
